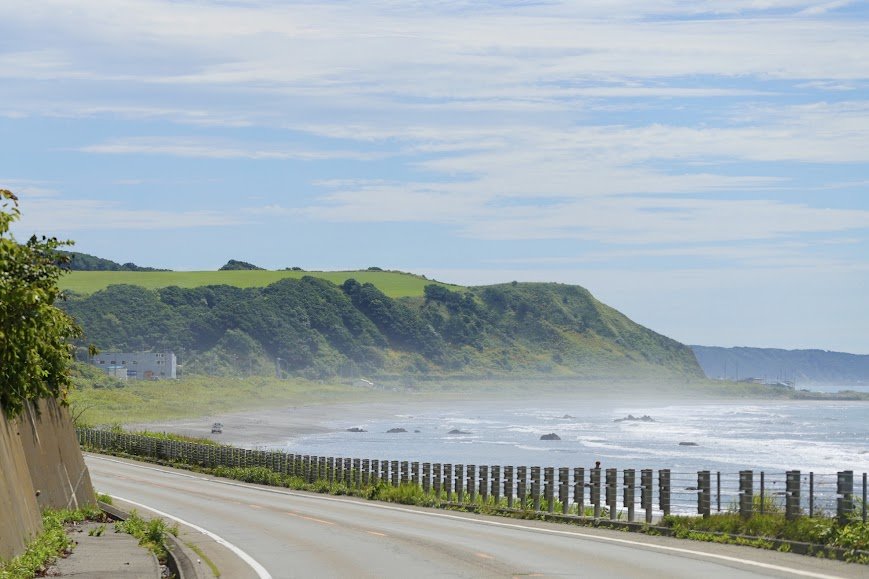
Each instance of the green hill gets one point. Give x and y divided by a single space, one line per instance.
382 324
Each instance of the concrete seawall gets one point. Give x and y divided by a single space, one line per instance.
41 466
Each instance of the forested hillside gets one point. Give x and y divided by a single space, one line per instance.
86 262
315 328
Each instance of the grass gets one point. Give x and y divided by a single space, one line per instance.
150 533
201 396
763 530
393 284
46 546
211 565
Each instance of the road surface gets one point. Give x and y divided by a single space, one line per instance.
271 532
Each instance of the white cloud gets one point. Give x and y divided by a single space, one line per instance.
215 149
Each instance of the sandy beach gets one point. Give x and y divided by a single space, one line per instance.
270 426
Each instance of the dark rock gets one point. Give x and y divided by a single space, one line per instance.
417 431
550 436
395 430
457 431
356 429
688 444
632 418
567 416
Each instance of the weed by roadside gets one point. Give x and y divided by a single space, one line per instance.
150 533
48 545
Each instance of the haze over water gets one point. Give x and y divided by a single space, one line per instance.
823 437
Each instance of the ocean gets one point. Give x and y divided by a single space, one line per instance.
723 436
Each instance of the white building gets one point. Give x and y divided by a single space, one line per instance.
139 365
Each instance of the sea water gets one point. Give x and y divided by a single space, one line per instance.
775 436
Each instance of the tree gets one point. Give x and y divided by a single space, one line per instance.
35 351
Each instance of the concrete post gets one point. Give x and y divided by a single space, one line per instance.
664 490
366 471
845 500
704 493
612 487
437 478
357 471
470 483
395 473
646 476
384 472
535 488
746 493
460 481
762 492
322 471
629 477
579 490
864 498
448 481
549 488
414 471
496 484
595 491
405 479
375 471
521 486
484 483
792 495
564 489
426 477
508 485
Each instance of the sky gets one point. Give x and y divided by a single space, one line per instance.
700 165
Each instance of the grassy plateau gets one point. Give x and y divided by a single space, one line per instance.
393 284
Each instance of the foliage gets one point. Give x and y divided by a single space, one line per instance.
46 546
814 530
34 349
150 533
235 265
312 328
84 262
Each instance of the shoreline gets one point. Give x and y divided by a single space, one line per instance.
276 426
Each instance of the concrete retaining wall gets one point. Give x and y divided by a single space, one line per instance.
39 455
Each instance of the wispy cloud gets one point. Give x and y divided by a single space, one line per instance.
215 149
62 216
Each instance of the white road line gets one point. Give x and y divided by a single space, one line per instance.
258 569
376 505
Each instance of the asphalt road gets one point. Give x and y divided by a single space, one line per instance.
293 534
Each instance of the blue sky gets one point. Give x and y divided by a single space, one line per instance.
702 166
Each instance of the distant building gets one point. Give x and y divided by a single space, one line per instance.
119 372
138 365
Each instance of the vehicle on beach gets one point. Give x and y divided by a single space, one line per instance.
216 428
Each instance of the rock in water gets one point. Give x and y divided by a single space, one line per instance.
688 444
395 430
550 436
